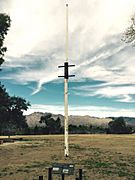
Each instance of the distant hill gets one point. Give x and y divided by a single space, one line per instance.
34 118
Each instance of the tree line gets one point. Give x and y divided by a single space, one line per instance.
51 126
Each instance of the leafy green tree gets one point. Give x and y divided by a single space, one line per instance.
118 126
17 106
58 127
4 27
4 107
52 126
4 98
12 119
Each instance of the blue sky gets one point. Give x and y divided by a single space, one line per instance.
104 84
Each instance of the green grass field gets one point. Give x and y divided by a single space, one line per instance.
108 157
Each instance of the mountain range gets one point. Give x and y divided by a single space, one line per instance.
34 118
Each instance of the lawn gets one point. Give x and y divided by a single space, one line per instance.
100 156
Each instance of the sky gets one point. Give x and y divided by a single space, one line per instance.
104 82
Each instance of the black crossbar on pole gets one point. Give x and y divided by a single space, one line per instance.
71 65
71 75
66 71
60 76
60 66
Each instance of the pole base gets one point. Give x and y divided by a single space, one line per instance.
66 155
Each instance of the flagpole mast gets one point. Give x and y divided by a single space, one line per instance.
66 91
66 77
67 32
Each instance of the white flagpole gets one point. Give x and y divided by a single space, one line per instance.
66 91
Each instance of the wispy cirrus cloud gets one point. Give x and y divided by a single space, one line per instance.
120 93
34 31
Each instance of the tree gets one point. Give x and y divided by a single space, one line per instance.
58 128
11 113
4 107
52 126
129 35
17 106
4 27
118 126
